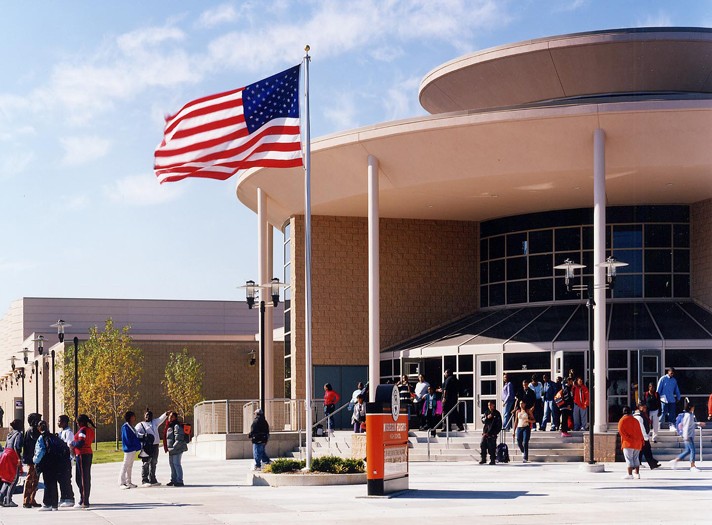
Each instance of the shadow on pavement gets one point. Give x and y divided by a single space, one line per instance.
464 494
137 506
659 487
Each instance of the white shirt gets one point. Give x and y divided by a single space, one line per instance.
67 435
151 428
421 389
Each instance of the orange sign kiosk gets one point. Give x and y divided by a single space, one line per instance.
386 443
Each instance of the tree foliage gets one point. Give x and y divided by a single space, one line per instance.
183 382
110 370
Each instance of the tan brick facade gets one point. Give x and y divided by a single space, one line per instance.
429 275
701 252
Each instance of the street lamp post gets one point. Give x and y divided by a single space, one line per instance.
569 268
255 292
20 374
60 326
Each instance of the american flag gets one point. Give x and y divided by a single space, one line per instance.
216 136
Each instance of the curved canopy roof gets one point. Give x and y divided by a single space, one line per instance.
643 60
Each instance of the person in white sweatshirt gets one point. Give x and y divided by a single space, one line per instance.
147 431
689 424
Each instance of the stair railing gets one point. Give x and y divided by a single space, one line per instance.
446 420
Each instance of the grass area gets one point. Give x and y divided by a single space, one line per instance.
105 452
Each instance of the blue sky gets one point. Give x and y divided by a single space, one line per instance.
85 86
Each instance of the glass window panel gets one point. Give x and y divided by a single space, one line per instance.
465 363
658 235
587 261
630 321
396 368
496 294
516 292
387 368
496 271
488 368
541 241
484 250
541 290
496 247
681 235
560 257
674 323
287 294
681 261
658 286
484 274
287 273
488 388
288 320
541 266
617 359
634 258
527 361
681 285
287 345
615 408
567 239
516 244
516 268
467 385
449 362
484 296
617 382
628 286
627 236
658 261
693 382
650 364
587 237
288 367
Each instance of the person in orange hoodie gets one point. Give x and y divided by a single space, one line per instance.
631 442
580 405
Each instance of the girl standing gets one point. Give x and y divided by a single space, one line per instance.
174 443
82 443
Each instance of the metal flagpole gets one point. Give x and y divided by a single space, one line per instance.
307 265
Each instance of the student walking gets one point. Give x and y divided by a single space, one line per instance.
631 443
330 400
11 454
259 434
669 396
175 445
689 424
523 421
130 444
82 443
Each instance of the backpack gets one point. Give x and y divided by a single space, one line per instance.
559 398
187 431
56 453
502 453
678 423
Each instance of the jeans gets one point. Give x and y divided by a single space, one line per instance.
83 477
50 498
66 493
488 444
580 417
148 469
548 415
669 412
176 467
507 414
259 454
125 476
689 450
328 410
8 489
523 435
655 422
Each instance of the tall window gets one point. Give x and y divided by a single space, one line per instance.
287 311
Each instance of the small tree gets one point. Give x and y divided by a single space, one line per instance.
183 381
112 372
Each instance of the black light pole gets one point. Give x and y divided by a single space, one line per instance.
21 375
590 305
54 388
37 386
76 381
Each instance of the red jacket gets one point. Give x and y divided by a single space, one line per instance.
9 461
331 397
581 396
631 435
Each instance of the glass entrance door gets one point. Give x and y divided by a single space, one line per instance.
488 381
649 369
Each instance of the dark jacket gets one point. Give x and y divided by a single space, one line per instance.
492 426
528 396
568 397
28 445
175 438
652 401
549 390
259 431
451 390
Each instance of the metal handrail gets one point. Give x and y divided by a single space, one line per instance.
446 419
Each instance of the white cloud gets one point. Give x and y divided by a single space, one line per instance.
22 131
401 99
659 19
15 161
222 14
82 150
386 53
568 5
148 37
142 190
343 113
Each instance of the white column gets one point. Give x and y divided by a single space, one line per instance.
600 343
374 313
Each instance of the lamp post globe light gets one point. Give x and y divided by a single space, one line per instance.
569 267
253 293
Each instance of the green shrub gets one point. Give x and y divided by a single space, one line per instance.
337 465
279 466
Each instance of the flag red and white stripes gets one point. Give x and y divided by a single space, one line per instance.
216 136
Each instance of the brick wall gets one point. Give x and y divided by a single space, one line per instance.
701 252
429 275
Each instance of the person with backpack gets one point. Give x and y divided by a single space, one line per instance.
174 444
66 492
669 396
130 444
49 457
492 420
564 399
28 450
259 434
686 425
147 431
652 403
647 451
13 449
84 455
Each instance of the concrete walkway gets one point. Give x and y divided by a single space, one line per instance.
217 492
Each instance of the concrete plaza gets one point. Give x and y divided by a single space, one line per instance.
218 492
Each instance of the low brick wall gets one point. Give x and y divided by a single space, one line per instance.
606 447
358 446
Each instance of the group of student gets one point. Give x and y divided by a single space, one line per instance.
52 455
